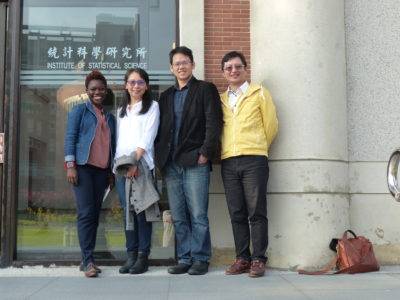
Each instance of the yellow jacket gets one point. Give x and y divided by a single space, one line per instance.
251 128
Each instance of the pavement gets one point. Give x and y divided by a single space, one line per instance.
68 283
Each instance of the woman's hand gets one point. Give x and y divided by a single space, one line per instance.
139 153
72 175
111 180
131 172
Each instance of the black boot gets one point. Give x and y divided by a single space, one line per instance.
132 257
141 265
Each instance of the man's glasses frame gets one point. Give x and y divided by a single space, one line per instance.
181 63
230 68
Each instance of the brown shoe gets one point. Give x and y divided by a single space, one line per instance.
257 269
82 268
97 268
90 270
239 266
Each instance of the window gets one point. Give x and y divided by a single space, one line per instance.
61 43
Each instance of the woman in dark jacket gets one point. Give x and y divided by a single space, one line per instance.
89 150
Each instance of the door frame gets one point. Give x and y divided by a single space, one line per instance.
10 34
10 27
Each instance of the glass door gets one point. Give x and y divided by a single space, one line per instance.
62 41
3 26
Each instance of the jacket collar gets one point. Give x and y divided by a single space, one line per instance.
188 84
251 90
89 106
189 95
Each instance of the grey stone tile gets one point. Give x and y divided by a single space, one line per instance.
265 295
232 287
343 282
123 287
20 287
364 294
60 284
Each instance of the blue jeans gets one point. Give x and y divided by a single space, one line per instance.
188 199
139 239
89 193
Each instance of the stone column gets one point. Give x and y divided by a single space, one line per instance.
191 31
373 64
298 53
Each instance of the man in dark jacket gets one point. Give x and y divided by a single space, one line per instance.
188 136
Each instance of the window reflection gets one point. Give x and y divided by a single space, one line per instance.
60 45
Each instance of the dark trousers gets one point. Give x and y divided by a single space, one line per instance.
89 193
245 181
139 239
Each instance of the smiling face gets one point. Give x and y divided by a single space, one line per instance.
234 72
97 92
136 86
182 67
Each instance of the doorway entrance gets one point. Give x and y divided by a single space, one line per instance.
60 44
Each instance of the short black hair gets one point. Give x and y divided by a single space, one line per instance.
182 50
95 75
233 54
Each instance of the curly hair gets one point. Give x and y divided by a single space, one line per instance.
95 75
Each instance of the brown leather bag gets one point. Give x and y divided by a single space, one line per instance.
354 255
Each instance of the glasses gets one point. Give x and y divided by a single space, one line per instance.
139 83
181 63
237 67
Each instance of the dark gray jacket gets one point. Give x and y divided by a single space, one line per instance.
200 127
141 194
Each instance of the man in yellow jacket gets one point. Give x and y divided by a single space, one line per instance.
250 126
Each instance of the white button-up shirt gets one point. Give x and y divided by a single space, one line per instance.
235 95
138 130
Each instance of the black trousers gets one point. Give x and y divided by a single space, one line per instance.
245 181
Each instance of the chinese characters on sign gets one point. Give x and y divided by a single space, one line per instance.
98 58
1 147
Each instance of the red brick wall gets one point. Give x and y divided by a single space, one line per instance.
227 28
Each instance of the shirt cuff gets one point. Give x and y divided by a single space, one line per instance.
69 158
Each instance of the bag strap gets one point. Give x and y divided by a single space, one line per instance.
348 231
327 269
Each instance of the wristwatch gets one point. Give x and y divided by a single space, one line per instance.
69 164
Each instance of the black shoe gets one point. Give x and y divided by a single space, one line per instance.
132 257
141 265
180 268
198 268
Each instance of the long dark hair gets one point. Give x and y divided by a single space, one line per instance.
146 99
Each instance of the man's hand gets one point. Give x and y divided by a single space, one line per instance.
202 159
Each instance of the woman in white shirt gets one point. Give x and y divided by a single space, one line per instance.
137 125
